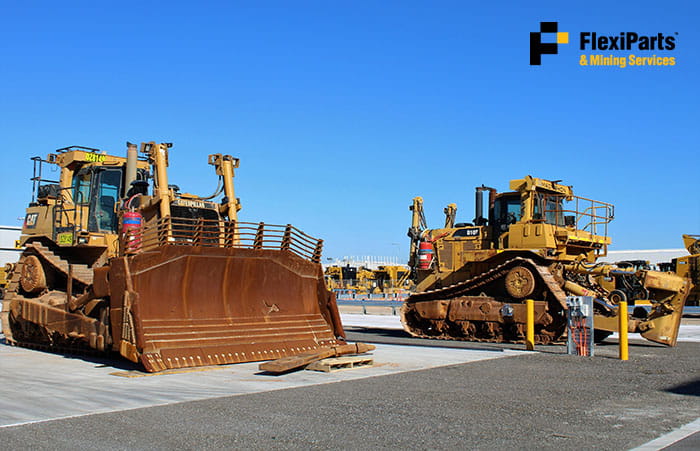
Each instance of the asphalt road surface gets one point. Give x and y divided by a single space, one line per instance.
541 400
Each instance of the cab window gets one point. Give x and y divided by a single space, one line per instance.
549 208
81 187
507 210
107 189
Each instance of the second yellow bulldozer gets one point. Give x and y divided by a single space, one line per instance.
538 241
117 259
689 266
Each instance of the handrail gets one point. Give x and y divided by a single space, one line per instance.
61 212
222 234
590 215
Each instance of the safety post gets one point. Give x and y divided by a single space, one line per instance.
622 328
530 326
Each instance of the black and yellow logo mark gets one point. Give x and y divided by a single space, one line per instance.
539 48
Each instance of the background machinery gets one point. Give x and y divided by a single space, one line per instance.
165 278
386 279
689 266
4 271
393 279
350 278
538 242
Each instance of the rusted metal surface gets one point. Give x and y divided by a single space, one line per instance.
73 327
476 318
43 320
204 292
33 277
222 234
193 306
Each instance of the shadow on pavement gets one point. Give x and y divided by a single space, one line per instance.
400 337
112 359
689 388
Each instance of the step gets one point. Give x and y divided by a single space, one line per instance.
81 271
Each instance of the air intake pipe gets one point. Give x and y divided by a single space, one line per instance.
479 219
131 158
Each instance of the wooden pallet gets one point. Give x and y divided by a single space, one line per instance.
341 363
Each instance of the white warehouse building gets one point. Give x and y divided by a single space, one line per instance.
8 252
653 256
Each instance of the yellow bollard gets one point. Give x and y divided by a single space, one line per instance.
622 328
530 326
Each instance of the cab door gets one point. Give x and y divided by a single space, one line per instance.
104 200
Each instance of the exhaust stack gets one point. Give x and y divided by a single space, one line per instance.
479 203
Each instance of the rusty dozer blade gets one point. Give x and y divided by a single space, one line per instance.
179 306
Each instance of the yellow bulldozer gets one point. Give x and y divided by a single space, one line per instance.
4 271
351 278
118 259
538 241
393 279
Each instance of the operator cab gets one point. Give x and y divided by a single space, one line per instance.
99 188
549 208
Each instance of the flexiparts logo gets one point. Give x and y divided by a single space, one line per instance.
622 49
627 41
539 48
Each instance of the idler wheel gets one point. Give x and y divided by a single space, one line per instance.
617 296
520 282
33 277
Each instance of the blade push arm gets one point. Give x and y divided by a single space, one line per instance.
418 225
225 164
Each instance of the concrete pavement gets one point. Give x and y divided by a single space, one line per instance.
421 394
39 386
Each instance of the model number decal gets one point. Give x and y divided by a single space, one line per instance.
471 232
466 233
95 157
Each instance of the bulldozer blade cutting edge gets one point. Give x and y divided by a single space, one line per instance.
664 329
184 306
662 326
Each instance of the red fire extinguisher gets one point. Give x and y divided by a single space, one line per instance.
131 231
425 255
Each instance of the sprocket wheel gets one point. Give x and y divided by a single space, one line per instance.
33 277
520 282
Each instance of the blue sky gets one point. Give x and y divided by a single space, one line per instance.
341 112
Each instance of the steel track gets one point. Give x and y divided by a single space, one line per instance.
12 294
460 289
